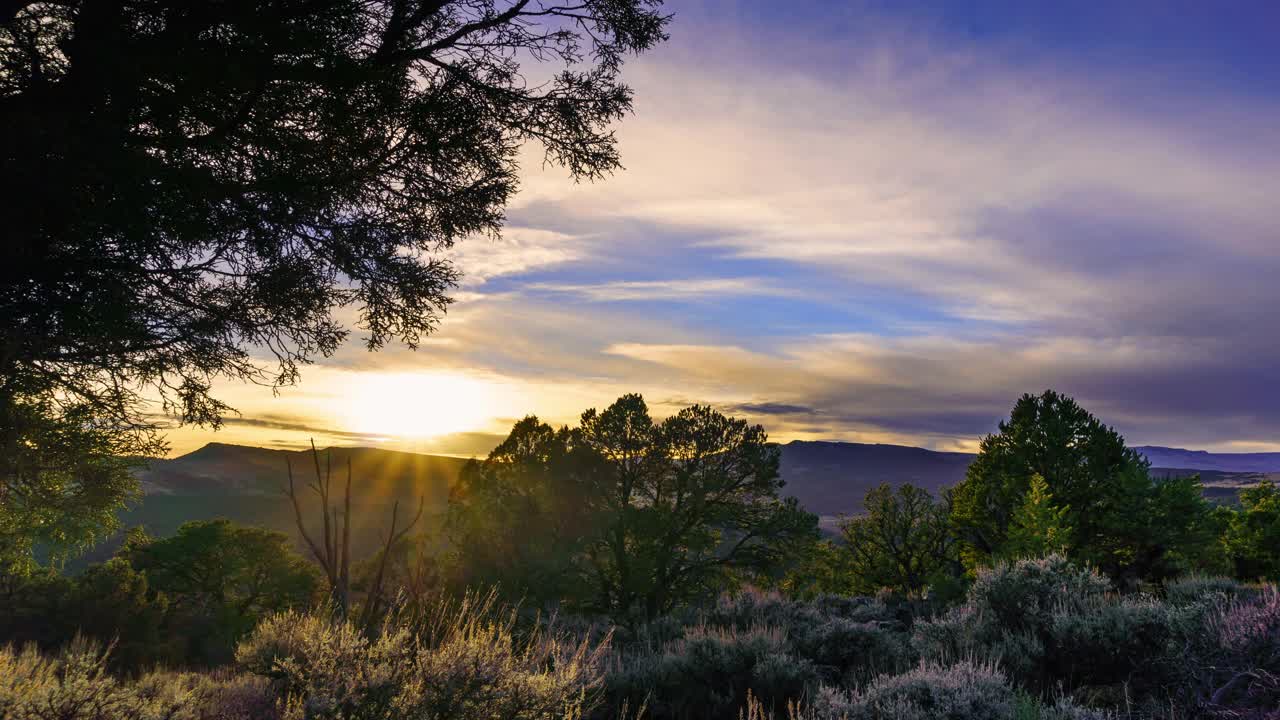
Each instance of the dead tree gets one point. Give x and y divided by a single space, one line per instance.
333 552
373 603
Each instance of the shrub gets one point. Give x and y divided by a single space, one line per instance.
1193 589
964 691
1008 616
1053 627
75 685
703 664
460 662
708 673
1238 663
1126 644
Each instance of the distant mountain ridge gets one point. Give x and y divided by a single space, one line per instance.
224 469
831 478
1166 457
245 483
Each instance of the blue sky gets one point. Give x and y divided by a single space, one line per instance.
878 222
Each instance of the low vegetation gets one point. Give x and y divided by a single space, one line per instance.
629 568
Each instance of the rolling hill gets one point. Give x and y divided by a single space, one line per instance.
830 479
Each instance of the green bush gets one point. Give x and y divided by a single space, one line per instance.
704 664
1194 589
1008 616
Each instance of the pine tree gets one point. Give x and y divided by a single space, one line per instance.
1038 526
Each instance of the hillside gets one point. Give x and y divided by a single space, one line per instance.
828 478
245 484
831 478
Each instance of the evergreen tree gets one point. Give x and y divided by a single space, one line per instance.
1252 537
1038 527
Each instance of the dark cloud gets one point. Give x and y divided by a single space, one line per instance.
772 408
275 422
466 444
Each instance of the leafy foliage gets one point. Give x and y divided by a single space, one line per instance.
903 541
64 477
626 516
1252 536
220 580
1119 519
1038 527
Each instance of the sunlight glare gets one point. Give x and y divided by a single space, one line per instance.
418 405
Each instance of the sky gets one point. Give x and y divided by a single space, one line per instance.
873 222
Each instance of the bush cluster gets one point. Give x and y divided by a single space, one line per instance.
705 663
465 662
1033 640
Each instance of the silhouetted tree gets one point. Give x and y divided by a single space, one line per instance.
625 516
220 579
521 518
903 541
691 502
332 548
189 187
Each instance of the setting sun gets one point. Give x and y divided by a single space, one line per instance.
418 405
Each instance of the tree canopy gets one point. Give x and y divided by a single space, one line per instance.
626 516
1252 536
220 579
902 541
1098 496
194 190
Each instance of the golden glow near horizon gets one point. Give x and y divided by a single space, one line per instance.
414 405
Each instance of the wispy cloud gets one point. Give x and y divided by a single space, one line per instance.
670 290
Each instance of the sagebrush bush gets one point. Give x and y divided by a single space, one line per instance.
1009 614
465 662
75 685
1196 589
1119 646
703 664
1238 657
708 672
963 691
